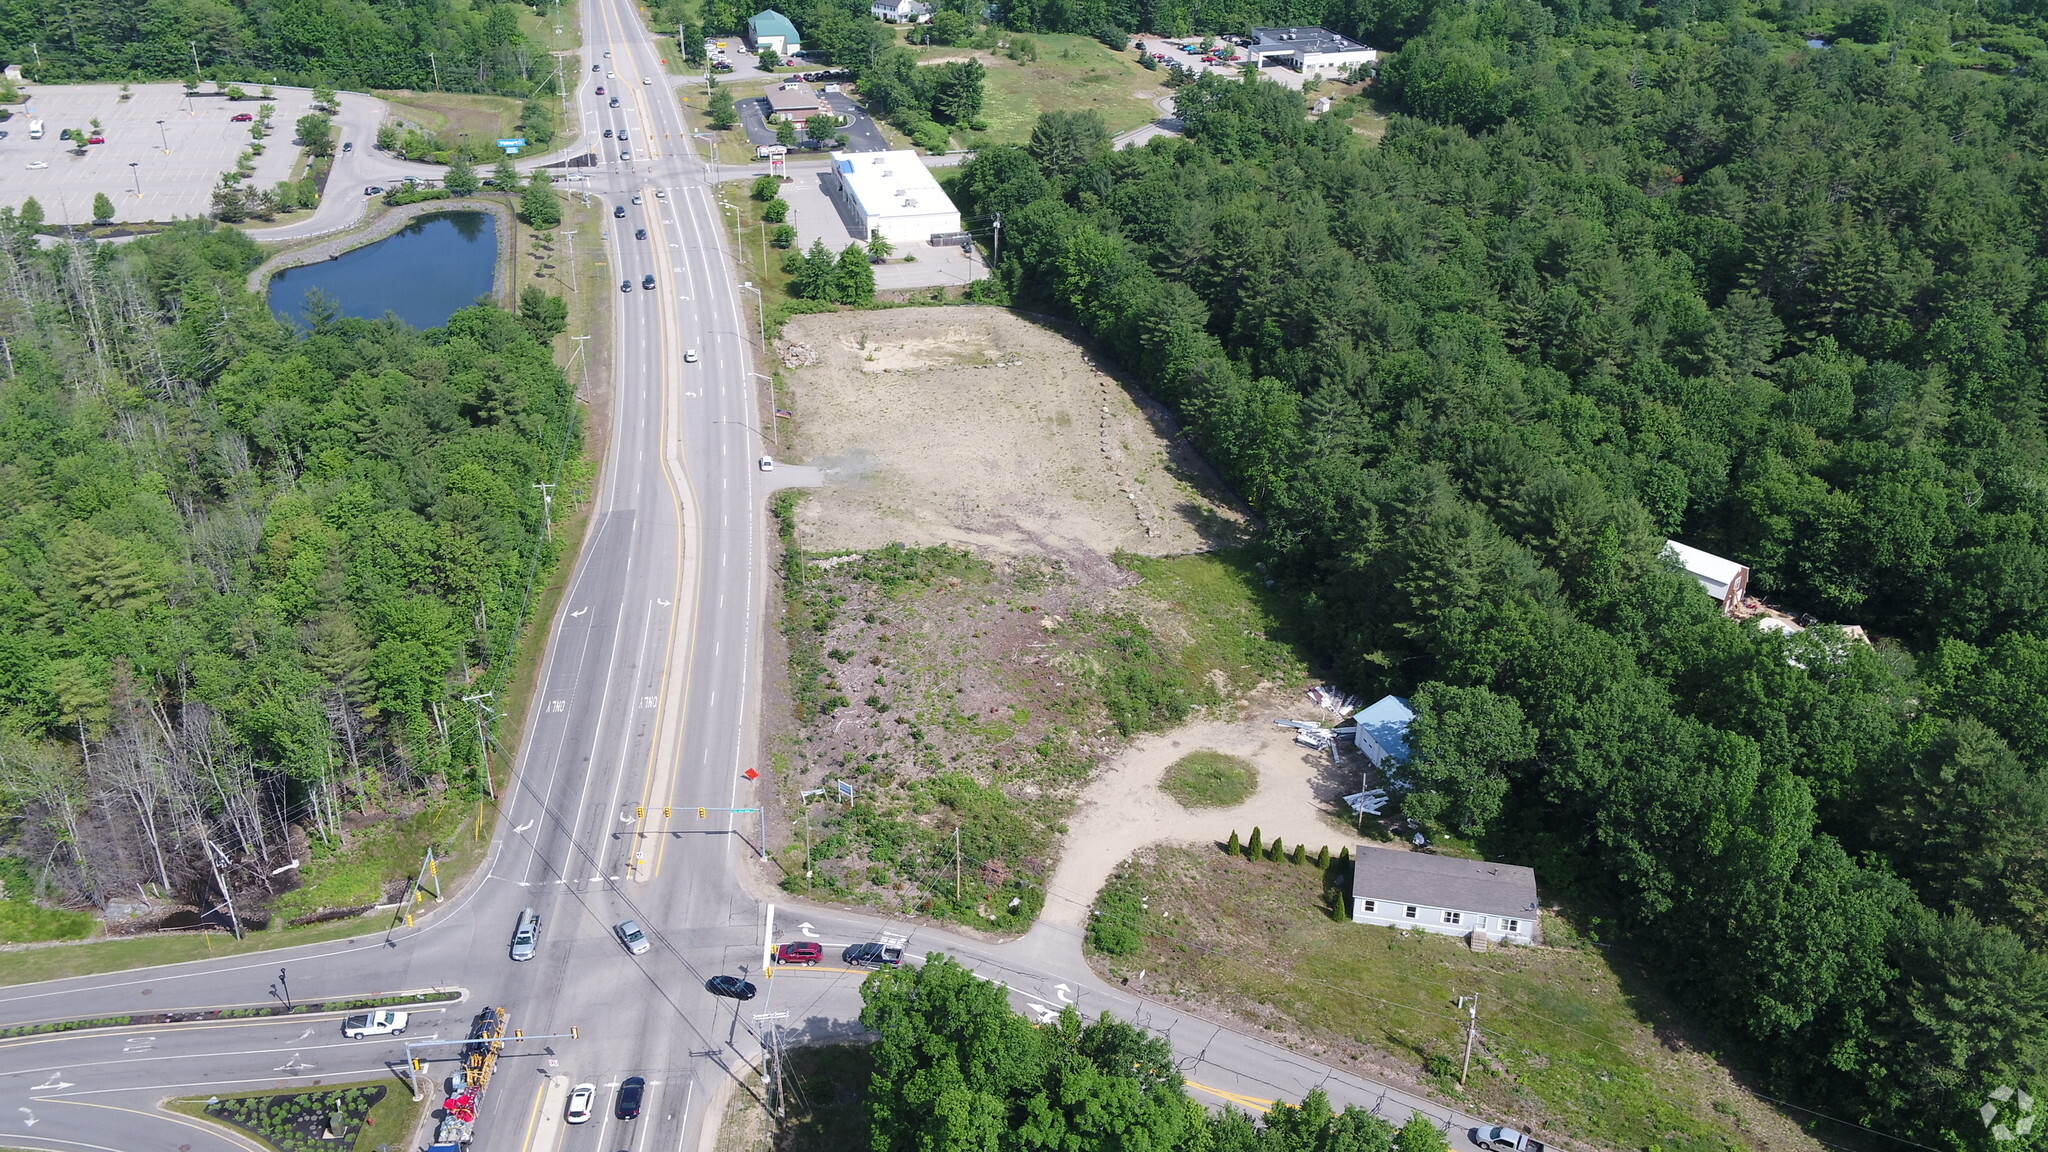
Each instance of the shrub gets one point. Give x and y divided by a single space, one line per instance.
1296 856
1251 849
1116 923
1234 848
775 211
1275 851
1323 857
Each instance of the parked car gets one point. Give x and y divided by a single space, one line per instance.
729 986
628 1104
801 952
373 190
632 937
873 955
1506 1139
581 1099
241 118
95 138
381 1023
34 164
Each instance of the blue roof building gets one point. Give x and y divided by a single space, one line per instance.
1383 731
771 29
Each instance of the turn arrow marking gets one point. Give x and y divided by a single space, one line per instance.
806 930
1062 990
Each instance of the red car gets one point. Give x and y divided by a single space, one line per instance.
798 953
95 138
241 118
600 89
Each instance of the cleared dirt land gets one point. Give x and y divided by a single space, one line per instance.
984 430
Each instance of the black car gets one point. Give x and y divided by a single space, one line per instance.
607 133
731 986
372 190
647 282
625 285
639 233
628 1105
618 211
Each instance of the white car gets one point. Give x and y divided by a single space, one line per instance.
581 1099
34 164
689 355
767 463
661 193
632 937
647 79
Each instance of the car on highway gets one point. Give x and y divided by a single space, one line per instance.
661 193
647 79
380 1023
600 89
607 133
729 986
240 118
373 190
526 935
689 355
595 68
636 198
1505 1140
632 937
625 285
801 952
647 282
618 211
348 146
34 164
639 233
615 101
871 954
625 154
627 1106
767 463
581 1099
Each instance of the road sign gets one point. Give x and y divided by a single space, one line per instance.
845 789
513 142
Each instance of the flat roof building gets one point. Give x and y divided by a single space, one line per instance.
892 194
1307 49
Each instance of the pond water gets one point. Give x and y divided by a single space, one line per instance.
424 273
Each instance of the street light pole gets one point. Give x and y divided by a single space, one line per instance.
583 388
166 134
762 301
137 173
571 234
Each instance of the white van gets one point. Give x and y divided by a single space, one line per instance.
35 129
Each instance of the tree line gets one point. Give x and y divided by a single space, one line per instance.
247 573
450 45
955 1068
1594 288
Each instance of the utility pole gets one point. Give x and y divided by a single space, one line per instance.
770 1035
1471 1032
571 234
216 857
998 253
547 504
437 69
956 863
483 750
585 386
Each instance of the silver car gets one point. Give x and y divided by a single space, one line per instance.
526 935
632 937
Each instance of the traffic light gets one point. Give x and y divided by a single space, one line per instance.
639 811
702 813
416 1065
572 1033
664 811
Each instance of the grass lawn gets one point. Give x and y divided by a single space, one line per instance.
391 1122
1569 1045
1070 74
828 1088
485 118
1207 779
33 964
1224 619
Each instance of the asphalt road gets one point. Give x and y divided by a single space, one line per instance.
648 698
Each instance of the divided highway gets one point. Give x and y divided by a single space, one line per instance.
647 699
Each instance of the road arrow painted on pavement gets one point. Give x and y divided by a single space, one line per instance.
809 934
579 611
1045 1015
524 827
52 1084
31 1121
1062 990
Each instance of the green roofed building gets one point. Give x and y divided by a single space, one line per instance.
771 29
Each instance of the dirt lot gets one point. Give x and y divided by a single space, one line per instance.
977 428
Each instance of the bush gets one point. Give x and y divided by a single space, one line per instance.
783 236
1112 37
1323 857
775 211
765 188
1274 851
1234 847
1116 923
1251 848
1299 854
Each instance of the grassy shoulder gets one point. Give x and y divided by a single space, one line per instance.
452 115
827 1090
57 961
1569 1044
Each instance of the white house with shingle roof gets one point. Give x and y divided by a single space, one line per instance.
1445 895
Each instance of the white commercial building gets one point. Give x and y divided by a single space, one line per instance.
893 194
901 11
1307 49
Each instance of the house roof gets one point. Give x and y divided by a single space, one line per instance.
792 100
772 23
1386 720
1714 573
1443 882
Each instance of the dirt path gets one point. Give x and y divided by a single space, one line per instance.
1124 810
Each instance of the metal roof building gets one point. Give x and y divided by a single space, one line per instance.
771 29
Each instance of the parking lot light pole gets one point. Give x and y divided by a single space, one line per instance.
137 173
166 134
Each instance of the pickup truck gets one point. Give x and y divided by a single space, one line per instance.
1507 1140
380 1023
874 955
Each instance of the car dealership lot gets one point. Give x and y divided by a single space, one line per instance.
202 143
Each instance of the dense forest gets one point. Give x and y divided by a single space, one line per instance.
1601 283
475 45
247 573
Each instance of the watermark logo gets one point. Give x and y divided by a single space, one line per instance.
2009 1113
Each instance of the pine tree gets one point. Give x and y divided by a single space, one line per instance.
1251 849
1344 857
460 178
1296 856
1323 857
1275 852
814 281
1234 847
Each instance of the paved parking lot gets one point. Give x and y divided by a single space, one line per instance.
862 135
816 216
176 164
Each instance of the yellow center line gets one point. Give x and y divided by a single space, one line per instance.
1253 1102
533 1117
